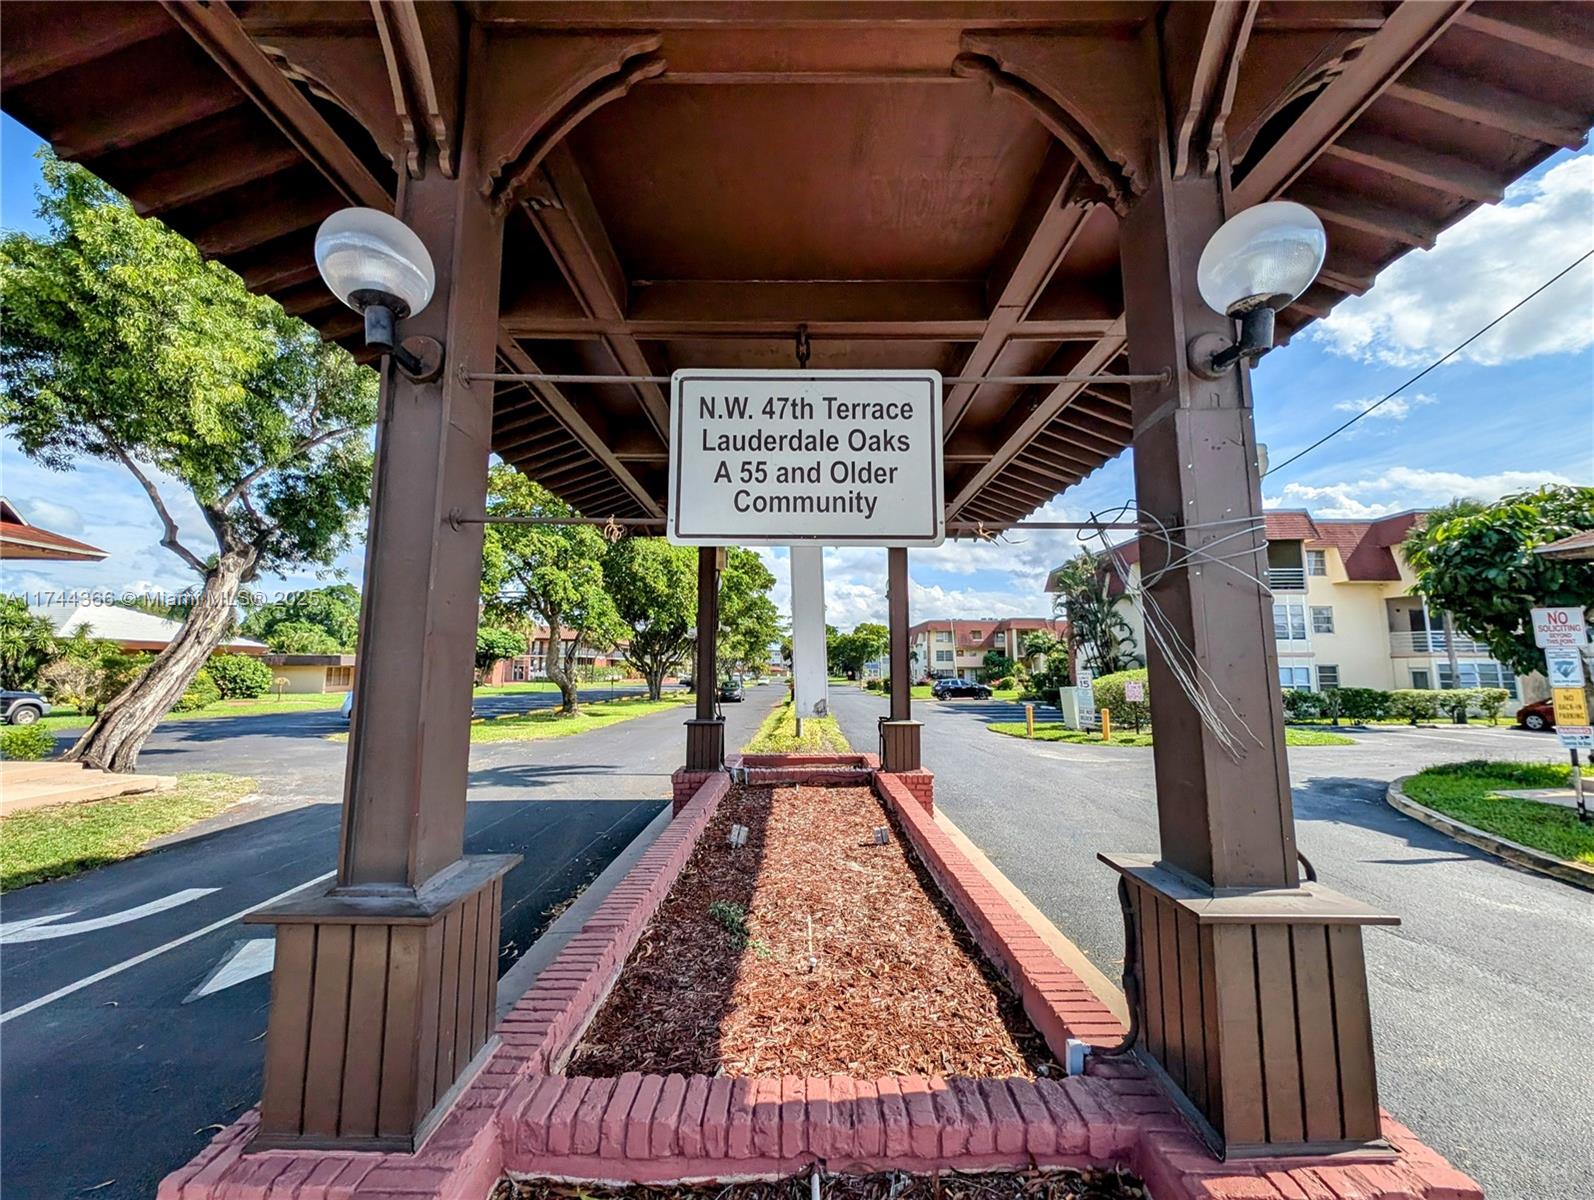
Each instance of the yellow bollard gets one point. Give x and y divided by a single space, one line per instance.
1029 720
1106 724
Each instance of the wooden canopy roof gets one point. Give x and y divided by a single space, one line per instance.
920 184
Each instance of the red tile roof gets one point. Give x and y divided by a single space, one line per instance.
21 539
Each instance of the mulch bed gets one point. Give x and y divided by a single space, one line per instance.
891 1185
811 950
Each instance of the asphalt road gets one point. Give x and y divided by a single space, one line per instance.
116 1067
1483 999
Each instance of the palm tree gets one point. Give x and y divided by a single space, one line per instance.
1094 622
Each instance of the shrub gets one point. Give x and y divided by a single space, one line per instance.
1414 704
240 676
1045 683
1363 704
1333 706
201 691
26 743
1454 703
1109 690
1299 704
1005 683
871 685
1491 701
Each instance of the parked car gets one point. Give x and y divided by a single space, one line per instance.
347 707
1540 715
22 708
945 689
731 690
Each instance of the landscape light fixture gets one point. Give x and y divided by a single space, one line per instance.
1256 263
376 264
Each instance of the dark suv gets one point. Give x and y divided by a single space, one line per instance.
944 689
22 708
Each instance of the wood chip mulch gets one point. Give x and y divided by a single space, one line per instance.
891 1185
847 960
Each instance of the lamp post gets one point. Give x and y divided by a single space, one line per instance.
376 264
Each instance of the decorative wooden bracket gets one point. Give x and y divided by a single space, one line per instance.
423 48
1096 94
1200 87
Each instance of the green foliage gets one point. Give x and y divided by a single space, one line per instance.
1363 704
654 588
200 693
1095 625
495 643
749 621
1478 563
333 610
849 651
1455 702
996 664
26 743
1300 704
1491 702
1050 679
27 645
1038 644
239 676
1109 692
1468 792
90 673
1414 704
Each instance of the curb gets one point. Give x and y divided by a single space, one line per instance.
1517 855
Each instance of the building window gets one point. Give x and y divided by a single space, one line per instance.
1419 679
1327 677
1480 675
976 634
943 656
1322 618
1289 622
1295 678
1317 562
339 679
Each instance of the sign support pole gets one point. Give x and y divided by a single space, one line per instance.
900 736
705 733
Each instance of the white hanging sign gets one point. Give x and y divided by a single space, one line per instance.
1559 627
772 458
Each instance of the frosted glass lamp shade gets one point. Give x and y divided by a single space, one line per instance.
1265 256
368 257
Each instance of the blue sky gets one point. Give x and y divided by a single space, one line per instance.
1516 410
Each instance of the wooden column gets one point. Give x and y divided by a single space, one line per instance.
705 732
900 736
1252 997
385 986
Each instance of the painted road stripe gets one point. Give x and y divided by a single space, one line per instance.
243 962
40 929
128 964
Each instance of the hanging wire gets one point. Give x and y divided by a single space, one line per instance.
1438 362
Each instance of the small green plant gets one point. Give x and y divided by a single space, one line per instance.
734 918
240 676
26 743
1491 701
1300 705
1454 703
1414 704
202 691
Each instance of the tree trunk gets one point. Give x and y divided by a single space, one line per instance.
112 743
562 670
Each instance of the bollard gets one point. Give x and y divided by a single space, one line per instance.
1106 724
1029 720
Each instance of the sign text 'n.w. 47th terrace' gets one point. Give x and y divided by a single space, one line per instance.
777 457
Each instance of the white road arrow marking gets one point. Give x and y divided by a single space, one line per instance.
246 960
41 929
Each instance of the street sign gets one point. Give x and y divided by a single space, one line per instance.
773 458
1575 737
1134 690
1559 627
1571 706
1563 667
1085 695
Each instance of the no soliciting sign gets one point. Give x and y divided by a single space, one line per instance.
775 457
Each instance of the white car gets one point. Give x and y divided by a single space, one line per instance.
347 707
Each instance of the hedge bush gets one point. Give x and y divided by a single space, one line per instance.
1455 702
201 692
1414 704
1363 704
1491 701
1300 705
26 743
1109 691
240 676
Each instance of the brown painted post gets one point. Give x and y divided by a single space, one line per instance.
705 733
386 984
1236 1029
900 736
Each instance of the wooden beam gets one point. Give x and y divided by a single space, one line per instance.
1367 215
423 47
1200 84
1471 100
1561 31
1448 173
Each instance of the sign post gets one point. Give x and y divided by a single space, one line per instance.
1563 635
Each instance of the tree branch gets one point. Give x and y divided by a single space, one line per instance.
169 539
304 447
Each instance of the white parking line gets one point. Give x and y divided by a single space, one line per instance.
127 964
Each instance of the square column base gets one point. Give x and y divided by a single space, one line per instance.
705 744
900 746
382 1001
1252 1003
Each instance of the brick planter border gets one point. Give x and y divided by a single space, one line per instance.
521 1116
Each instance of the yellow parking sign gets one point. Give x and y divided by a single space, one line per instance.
1571 708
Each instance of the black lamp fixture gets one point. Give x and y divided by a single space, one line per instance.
1256 263
376 264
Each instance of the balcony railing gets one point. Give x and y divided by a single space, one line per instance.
1405 643
1287 579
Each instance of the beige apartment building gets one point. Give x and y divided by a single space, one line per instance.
957 647
1344 612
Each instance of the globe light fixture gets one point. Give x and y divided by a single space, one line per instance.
1256 263
376 264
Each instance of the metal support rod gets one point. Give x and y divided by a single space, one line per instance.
953 528
1160 377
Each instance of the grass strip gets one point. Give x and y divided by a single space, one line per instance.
552 723
63 839
778 735
1468 791
1051 731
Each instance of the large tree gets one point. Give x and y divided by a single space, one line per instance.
750 623
868 640
27 645
654 587
1095 626
552 574
1478 564
119 342
335 610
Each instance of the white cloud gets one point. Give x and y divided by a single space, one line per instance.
1428 301
1402 488
58 518
1397 408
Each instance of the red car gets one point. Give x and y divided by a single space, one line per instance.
1538 716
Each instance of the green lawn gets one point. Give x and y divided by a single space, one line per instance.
265 706
1052 731
778 735
551 723
1467 792
63 839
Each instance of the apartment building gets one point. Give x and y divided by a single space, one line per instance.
533 665
957 647
1344 612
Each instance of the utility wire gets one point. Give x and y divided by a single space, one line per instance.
1439 362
